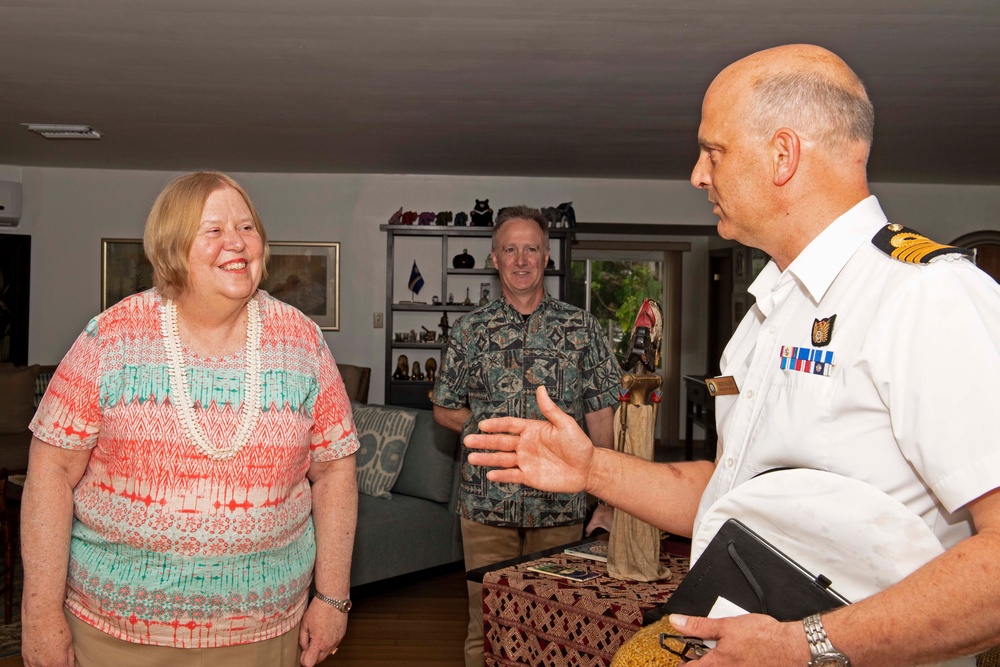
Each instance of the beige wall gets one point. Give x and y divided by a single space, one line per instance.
68 211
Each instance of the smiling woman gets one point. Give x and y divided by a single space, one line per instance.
217 416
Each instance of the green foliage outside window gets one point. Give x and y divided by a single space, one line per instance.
617 290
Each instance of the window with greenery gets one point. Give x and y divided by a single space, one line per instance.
613 290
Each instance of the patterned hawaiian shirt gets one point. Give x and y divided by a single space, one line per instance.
494 362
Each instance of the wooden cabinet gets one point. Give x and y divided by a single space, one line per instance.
411 317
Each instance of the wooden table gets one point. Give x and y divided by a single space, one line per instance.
532 619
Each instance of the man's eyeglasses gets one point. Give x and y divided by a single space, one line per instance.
693 648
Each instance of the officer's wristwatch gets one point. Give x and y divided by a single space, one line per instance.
823 653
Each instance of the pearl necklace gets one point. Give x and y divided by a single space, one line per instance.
180 392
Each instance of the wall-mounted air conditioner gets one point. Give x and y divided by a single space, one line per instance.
10 203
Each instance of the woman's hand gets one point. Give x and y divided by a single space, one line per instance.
46 640
323 627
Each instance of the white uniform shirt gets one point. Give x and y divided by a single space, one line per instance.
911 400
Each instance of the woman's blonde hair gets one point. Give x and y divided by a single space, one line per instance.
173 223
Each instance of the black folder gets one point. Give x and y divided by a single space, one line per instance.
741 566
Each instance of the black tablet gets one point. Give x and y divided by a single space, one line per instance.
742 567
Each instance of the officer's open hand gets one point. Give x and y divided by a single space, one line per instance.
553 455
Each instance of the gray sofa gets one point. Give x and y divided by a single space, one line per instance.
417 527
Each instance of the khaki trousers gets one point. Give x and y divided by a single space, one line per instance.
94 648
484 545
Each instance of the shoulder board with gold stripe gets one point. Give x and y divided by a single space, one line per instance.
906 245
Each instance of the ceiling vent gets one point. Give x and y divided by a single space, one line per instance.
63 131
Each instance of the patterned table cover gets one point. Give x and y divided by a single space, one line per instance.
532 619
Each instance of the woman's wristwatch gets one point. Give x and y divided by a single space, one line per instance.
342 605
823 653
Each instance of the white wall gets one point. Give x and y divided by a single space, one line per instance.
68 211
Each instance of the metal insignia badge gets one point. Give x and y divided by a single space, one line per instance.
823 331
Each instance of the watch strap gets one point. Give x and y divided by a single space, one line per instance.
819 643
341 605
820 647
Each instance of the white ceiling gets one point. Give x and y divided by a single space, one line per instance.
492 87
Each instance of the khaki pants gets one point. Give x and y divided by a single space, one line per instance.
94 648
484 545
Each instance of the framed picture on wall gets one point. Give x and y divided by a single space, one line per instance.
307 276
124 270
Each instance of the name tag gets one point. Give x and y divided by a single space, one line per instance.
722 386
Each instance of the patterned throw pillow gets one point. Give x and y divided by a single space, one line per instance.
384 433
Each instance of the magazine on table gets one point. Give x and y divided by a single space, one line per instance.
563 571
596 550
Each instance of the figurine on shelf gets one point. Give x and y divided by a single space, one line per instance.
416 374
451 299
436 300
412 338
484 294
463 260
553 216
445 327
397 217
468 299
568 214
430 366
409 217
402 368
426 218
482 215
443 218
489 261
461 218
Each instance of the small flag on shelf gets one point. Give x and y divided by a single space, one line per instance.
416 281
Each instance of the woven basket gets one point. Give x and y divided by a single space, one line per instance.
989 658
644 650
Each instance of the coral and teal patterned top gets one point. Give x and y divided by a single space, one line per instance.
170 547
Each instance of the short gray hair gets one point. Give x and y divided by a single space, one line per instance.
838 114
521 212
